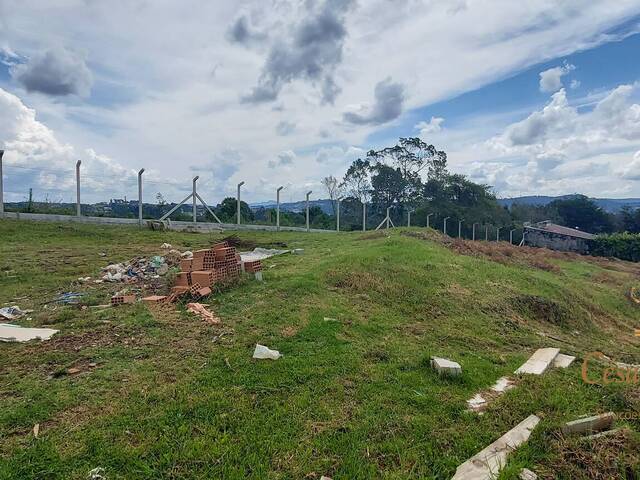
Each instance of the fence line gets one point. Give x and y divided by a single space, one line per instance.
194 196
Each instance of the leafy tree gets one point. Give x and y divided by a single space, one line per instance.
334 189
387 185
580 212
357 180
227 211
630 219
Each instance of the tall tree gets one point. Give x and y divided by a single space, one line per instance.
357 180
334 189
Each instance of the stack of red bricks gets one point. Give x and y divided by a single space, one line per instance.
206 268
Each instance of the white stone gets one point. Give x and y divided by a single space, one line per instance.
486 464
563 361
526 474
446 367
502 385
539 362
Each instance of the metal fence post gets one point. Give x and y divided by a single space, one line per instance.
140 196
1 185
308 193
78 211
278 208
364 216
238 200
194 197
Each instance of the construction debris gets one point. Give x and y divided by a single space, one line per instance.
69 298
97 474
563 361
12 313
154 299
539 362
446 367
201 311
261 253
526 474
122 299
16 333
36 430
589 425
262 352
486 464
138 269
166 246
480 401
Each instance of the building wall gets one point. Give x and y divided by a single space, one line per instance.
555 241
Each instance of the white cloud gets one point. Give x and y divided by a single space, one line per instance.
432 126
632 170
551 79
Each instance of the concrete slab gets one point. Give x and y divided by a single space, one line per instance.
526 474
16 333
593 424
486 464
539 362
563 361
445 366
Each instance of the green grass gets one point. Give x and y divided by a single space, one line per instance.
354 398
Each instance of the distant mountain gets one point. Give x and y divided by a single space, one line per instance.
325 205
612 205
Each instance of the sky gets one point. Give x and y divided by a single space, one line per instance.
528 97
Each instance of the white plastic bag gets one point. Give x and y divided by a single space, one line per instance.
263 352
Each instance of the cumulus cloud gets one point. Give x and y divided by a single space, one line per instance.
338 155
311 51
284 158
389 97
241 31
55 72
285 128
432 126
632 171
551 79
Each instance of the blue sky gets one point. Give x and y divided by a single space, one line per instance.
536 98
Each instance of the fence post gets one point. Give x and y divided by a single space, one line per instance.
140 196
428 219
444 230
194 198
497 234
486 233
308 193
388 217
338 214
473 231
238 201
511 236
459 228
278 208
1 186
78 211
408 218
364 216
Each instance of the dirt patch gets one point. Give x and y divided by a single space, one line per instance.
609 457
248 244
289 331
507 254
541 308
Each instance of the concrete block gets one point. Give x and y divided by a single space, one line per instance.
589 425
154 299
486 464
539 362
446 367
563 361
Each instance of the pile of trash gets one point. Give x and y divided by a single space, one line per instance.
141 269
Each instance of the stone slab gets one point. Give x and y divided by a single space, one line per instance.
539 362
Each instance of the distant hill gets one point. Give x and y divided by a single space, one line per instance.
325 205
612 205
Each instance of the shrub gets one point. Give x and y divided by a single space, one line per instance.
625 246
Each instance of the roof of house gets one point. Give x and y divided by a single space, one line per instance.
547 226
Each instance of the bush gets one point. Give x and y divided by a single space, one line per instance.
625 246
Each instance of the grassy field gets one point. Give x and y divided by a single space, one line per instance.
171 397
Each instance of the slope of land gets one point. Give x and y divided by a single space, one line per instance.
357 317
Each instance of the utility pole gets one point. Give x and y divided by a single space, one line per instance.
140 196
308 193
473 231
1 185
511 236
444 230
428 219
195 196
278 208
238 200
364 216
459 228
78 212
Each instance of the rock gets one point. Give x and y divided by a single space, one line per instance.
446 367
526 474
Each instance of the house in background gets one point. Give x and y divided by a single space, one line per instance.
556 237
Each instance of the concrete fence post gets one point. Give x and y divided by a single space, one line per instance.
511 236
497 234
1 185
194 197
486 233
78 210
444 230
473 231
140 196
238 201
408 218
278 208
459 228
307 208
428 219
338 214
388 217
364 216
